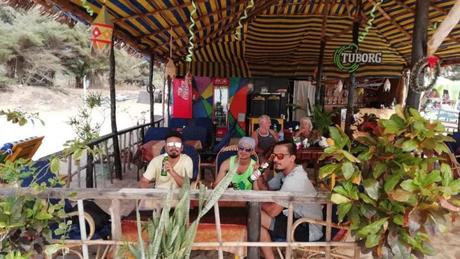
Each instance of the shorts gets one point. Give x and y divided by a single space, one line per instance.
278 229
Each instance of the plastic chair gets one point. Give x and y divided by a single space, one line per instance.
195 133
175 123
156 133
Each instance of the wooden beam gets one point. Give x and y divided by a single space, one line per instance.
152 13
444 29
325 14
390 19
349 9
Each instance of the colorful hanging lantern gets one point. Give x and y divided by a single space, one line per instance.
101 32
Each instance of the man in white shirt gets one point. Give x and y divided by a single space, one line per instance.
177 166
290 178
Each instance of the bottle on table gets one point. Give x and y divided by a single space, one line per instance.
163 169
259 171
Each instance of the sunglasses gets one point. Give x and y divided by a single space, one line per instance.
245 149
280 156
174 144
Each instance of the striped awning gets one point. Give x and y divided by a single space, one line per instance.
279 37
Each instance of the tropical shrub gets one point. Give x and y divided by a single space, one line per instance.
393 184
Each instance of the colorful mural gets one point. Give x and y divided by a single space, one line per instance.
203 100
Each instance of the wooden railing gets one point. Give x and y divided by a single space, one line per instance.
253 197
128 140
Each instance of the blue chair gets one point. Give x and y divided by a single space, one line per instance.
175 123
209 125
195 156
156 133
195 133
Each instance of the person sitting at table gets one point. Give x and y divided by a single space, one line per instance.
290 178
242 162
264 136
176 165
305 129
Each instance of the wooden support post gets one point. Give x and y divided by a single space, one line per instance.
169 82
320 90
151 90
444 29
419 38
116 220
113 115
218 230
82 223
328 228
89 168
352 83
254 229
289 229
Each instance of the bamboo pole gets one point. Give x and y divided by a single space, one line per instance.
218 229
444 29
289 227
253 227
151 90
81 221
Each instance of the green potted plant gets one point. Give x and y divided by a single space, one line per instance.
392 185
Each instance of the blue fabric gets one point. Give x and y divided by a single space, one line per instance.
205 123
156 133
194 155
195 133
175 123
225 140
42 174
453 146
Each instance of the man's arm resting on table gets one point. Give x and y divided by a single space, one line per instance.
144 182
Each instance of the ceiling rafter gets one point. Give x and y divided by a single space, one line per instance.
391 20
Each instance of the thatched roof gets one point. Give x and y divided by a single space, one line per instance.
279 38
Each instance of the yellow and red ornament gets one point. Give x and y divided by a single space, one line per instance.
101 32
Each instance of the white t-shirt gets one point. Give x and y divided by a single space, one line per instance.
183 167
297 181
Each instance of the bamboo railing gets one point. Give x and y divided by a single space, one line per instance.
253 197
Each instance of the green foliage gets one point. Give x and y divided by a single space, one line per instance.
19 117
321 119
393 184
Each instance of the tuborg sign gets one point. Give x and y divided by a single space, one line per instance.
347 58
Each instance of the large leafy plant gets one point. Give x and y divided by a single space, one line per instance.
392 185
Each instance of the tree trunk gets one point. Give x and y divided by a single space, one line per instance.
78 82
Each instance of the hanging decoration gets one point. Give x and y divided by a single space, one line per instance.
338 88
369 22
429 66
189 56
101 32
238 30
347 58
386 85
89 10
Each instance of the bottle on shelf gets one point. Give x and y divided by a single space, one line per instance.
163 169
259 171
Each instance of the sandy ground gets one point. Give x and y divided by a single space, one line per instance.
57 106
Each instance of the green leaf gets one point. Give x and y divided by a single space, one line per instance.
398 219
54 165
372 240
372 228
372 187
409 145
347 170
400 195
447 176
349 156
391 182
343 209
394 125
339 199
379 168
409 185
367 199
327 170
340 139
432 177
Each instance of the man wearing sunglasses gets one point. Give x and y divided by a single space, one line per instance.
177 165
290 178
